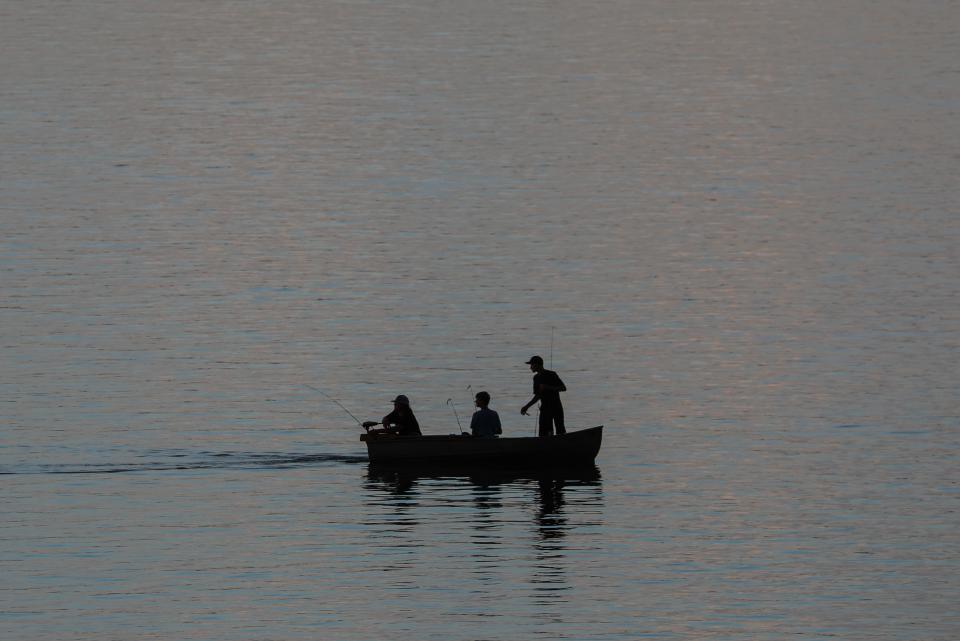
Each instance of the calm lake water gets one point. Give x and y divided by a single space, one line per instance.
731 226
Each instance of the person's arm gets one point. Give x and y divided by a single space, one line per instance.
523 410
473 423
496 422
390 422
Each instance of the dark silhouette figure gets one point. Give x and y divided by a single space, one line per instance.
485 422
546 389
401 420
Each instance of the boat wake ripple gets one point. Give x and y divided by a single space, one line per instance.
179 460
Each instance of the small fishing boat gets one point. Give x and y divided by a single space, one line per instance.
573 448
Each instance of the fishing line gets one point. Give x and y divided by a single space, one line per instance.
365 425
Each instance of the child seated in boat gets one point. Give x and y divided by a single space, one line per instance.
485 422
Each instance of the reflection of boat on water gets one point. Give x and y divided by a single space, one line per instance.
405 475
403 478
512 520
577 448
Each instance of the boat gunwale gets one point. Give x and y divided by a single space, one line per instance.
468 438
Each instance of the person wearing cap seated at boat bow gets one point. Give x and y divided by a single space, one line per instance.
485 422
401 420
546 389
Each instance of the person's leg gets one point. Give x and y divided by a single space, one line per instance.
546 423
558 420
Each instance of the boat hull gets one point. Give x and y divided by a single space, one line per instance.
574 448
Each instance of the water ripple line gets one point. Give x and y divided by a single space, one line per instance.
204 461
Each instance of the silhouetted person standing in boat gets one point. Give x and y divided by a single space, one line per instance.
401 420
485 422
546 389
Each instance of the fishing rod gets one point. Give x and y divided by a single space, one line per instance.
454 406
537 424
364 424
551 346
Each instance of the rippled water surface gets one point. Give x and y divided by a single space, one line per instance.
731 226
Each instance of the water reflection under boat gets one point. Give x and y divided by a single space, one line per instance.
549 489
519 523
404 479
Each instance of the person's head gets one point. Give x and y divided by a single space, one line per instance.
401 403
482 399
535 363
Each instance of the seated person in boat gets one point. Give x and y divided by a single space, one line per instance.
485 421
401 420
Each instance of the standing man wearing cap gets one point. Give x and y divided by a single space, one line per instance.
401 420
546 389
